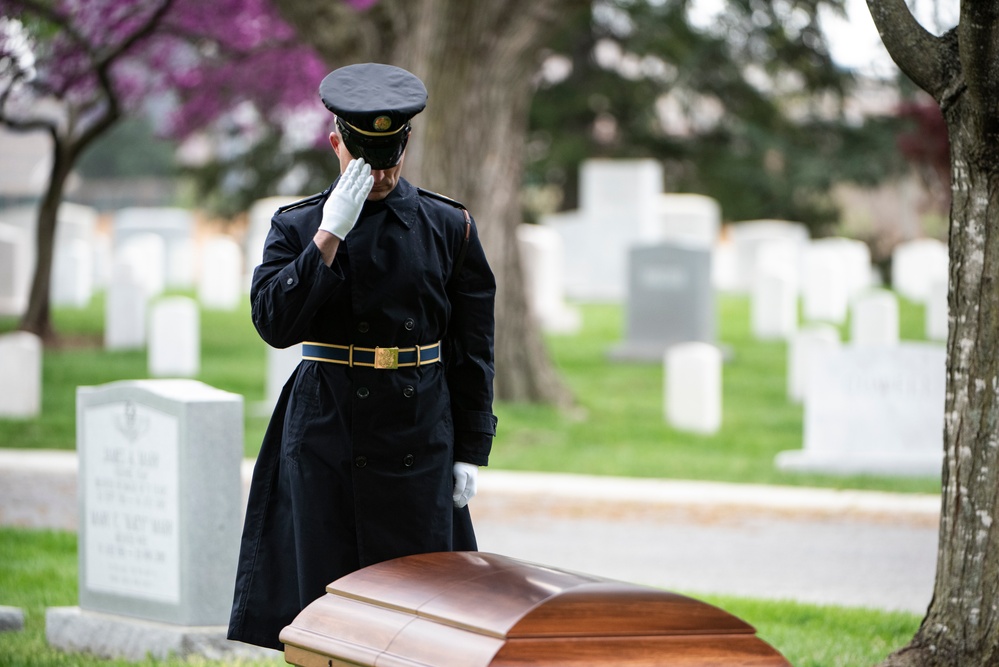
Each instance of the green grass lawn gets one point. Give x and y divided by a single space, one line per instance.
38 569
616 427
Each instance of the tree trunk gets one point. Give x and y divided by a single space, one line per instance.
38 317
961 627
478 61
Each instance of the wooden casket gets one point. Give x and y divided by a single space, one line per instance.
471 609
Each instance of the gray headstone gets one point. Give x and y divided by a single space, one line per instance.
159 499
670 300
873 409
11 619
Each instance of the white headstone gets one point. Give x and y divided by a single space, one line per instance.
825 286
175 226
873 409
543 263
174 338
694 387
774 305
125 309
73 275
810 340
20 375
146 254
160 502
916 266
260 214
220 282
15 276
280 365
749 236
874 319
937 323
619 201
724 271
689 218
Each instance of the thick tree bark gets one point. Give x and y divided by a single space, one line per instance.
478 60
961 627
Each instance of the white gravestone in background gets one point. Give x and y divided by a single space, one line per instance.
937 323
174 348
810 340
281 363
146 254
543 261
619 204
260 214
73 275
220 281
160 507
916 266
749 236
125 309
15 270
175 226
874 319
873 409
690 218
20 375
694 387
825 292
774 305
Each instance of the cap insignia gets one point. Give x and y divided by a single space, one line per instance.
382 123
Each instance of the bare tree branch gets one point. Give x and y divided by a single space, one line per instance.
917 52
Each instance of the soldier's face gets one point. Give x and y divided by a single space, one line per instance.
385 179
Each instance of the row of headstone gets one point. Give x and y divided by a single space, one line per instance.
159 243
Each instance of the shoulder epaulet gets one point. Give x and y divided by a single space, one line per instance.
302 202
441 197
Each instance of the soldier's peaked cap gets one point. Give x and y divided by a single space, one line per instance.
375 100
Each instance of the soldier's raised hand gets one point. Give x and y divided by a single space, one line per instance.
343 206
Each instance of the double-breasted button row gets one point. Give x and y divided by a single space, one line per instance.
361 461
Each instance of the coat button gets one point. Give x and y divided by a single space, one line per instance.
408 391
362 327
291 281
407 460
360 461
410 324
362 392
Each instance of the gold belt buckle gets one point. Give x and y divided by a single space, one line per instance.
387 358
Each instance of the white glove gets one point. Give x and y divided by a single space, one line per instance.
343 206
465 476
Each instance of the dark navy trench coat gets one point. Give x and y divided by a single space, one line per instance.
356 464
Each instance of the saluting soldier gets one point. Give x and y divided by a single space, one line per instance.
374 445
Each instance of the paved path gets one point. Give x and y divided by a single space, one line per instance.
848 548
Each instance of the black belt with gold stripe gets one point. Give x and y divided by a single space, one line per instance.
385 358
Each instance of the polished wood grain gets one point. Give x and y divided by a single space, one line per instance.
466 609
